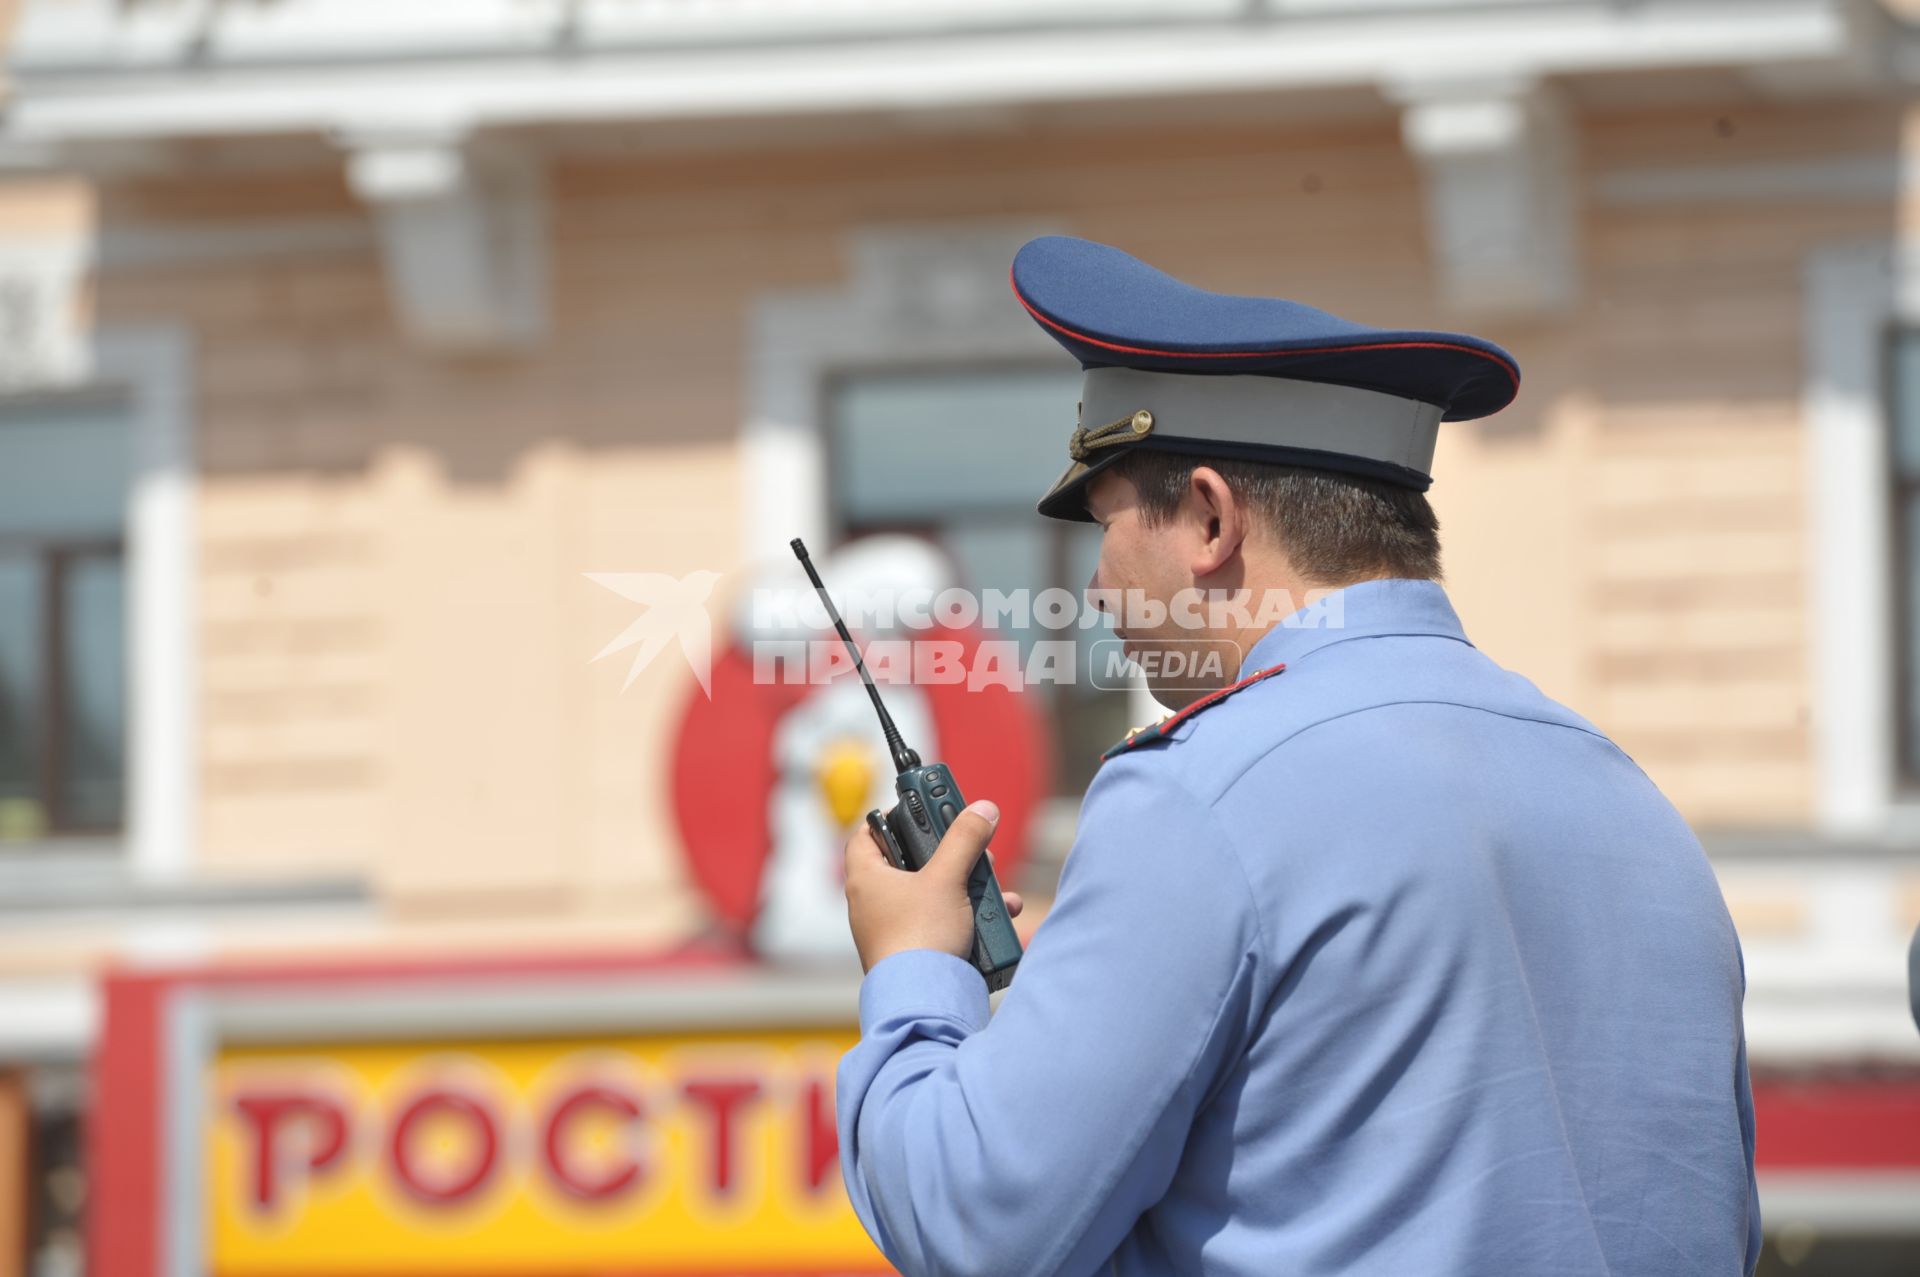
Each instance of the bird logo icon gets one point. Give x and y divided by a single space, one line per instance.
676 609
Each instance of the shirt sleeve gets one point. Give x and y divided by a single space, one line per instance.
1034 1143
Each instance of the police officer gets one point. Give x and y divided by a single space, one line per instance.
1370 960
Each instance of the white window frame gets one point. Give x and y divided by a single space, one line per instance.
919 297
1856 293
149 371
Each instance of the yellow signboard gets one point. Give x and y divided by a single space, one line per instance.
709 1154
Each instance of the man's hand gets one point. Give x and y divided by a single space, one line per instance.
894 909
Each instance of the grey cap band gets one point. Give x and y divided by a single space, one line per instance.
1254 417
1267 412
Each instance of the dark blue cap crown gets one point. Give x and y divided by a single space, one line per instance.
1110 309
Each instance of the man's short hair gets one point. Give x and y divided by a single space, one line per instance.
1336 528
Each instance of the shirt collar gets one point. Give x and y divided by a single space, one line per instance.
1366 609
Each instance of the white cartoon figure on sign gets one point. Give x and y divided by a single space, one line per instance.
830 761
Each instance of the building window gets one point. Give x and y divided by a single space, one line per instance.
57 1183
961 457
63 489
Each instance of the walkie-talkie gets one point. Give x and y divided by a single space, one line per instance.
930 801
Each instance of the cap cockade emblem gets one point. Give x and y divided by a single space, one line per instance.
1128 429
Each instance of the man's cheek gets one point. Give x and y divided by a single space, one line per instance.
1113 558
1116 566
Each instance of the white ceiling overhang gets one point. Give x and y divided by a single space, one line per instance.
436 102
110 69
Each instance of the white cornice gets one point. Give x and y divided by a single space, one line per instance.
95 70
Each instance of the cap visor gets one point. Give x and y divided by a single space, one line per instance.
1067 498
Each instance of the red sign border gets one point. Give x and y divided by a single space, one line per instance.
126 1137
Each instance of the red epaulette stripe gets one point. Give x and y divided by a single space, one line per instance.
1159 730
1512 373
1213 698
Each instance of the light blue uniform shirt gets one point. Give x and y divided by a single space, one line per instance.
1387 964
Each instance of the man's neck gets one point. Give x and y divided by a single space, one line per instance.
1279 595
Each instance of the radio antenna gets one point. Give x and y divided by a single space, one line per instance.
904 759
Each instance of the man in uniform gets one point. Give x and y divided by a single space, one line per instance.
1371 960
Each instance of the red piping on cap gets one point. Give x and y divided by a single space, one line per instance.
1513 374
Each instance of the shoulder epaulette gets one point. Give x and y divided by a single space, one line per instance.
1161 730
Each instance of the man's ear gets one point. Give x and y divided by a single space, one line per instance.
1221 520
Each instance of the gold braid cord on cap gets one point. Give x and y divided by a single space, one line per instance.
1126 430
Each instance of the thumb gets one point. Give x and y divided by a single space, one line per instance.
965 839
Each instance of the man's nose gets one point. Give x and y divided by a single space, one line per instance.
1093 590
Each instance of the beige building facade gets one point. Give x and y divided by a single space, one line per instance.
404 332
